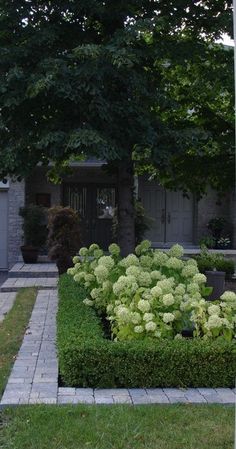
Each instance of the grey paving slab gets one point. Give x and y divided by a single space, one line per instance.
34 377
42 270
6 302
14 284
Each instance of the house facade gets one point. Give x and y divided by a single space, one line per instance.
93 193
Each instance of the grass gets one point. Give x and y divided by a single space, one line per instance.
12 330
117 427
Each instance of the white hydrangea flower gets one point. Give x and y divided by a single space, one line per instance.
168 317
176 251
98 253
93 247
144 279
114 249
110 308
138 329
136 318
95 292
174 263
106 286
150 326
133 271
199 278
79 276
214 321
156 292
89 277
107 262
214 310
168 299
143 305
75 259
160 258
189 271
71 271
83 252
88 302
101 273
191 262
123 313
228 296
146 261
131 259
193 288
180 289
226 323
166 285
156 275
148 316
179 337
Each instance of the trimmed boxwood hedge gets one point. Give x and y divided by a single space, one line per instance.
88 359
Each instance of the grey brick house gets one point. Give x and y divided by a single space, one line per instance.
93 193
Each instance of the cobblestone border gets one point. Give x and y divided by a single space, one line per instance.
34 377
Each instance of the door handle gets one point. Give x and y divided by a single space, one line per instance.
168 218
163 215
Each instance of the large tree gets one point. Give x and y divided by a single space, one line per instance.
103 78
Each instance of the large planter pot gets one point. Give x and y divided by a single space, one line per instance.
29 254
215 279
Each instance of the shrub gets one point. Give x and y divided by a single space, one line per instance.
64 236
34 227
207 261
87 359
151 294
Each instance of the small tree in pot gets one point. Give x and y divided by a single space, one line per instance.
35 231
64 237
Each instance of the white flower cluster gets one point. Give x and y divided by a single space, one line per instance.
152 293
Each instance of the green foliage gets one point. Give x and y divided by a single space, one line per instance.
106 78
207 241
152 294
34 225
64 237
87 359
213 261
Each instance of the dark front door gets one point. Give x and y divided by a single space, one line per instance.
95 205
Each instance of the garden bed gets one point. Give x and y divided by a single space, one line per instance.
88 359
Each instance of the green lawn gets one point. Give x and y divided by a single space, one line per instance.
12 330
117 427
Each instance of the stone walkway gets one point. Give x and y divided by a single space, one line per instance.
6 302
34 377
14 284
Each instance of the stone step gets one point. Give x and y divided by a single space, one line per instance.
36 270
14 284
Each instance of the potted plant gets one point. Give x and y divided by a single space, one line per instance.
34 229
215 267
223 243
64 237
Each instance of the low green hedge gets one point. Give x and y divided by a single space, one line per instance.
88 359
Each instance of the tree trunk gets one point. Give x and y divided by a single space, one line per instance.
126 223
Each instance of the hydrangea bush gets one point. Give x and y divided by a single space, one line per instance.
152 294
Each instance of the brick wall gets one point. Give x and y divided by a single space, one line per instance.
16 199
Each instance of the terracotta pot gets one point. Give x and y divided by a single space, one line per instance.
29 254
